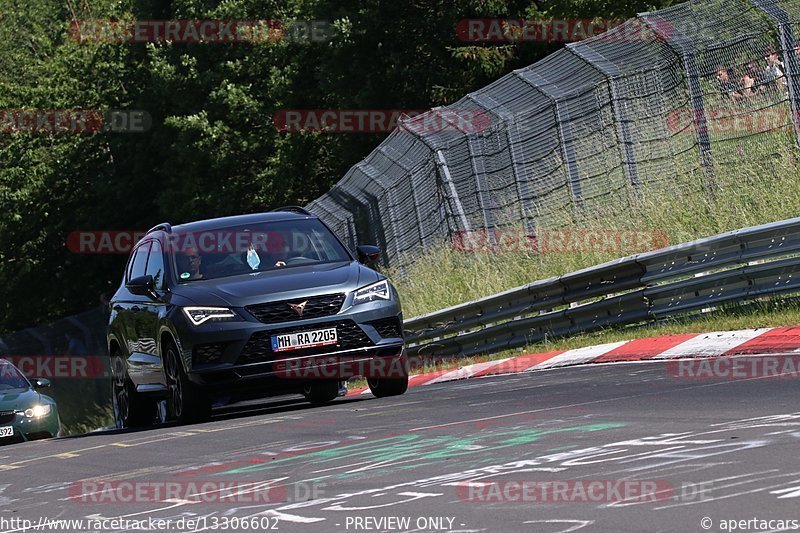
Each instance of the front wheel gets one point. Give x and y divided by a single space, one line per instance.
321 392
185 402
384 387
131 410
397 384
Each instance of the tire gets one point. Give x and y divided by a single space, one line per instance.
384 387
321 392
186 403
131 410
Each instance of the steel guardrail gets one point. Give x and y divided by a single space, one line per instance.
738 265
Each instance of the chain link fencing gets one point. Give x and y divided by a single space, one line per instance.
669 100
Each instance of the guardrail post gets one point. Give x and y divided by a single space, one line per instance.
621 119
685 49
791 63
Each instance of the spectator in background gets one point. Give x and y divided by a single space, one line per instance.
726 85
748 84
774 77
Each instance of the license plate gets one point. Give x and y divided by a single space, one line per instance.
304 339
6 431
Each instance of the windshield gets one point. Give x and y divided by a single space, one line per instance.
10 377
267 246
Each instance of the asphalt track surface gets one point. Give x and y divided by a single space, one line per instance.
443 458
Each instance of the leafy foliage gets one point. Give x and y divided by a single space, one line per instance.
212 149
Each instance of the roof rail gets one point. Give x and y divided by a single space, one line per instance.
294 209
163 226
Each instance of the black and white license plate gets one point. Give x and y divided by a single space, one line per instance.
304 339
6 431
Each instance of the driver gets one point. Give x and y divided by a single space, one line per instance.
277 250
191 262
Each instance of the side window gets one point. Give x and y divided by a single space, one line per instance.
139 262
155 265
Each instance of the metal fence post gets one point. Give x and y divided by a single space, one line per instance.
521 184
478 169
520 178
391 220
565 136
626 140
450 192
685 49
791 64
451 188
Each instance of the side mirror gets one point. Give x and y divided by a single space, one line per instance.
40 383
141 286
368 254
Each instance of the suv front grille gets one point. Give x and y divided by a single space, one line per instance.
259 348
6 416
388 327
316 307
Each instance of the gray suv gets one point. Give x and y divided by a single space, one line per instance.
242 307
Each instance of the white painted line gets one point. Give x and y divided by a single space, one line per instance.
466 372
578 355
711 344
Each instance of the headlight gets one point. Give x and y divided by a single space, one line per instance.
198 315
37 411
376 291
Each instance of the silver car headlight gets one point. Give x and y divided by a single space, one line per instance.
370 293
200 315
37 411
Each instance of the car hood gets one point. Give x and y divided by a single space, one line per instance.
289 283
18 399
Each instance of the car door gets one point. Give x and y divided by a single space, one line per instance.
151 315
127 305
144 366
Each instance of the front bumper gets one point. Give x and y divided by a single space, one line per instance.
237 356
26 429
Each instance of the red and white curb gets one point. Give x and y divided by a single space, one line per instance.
783 340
